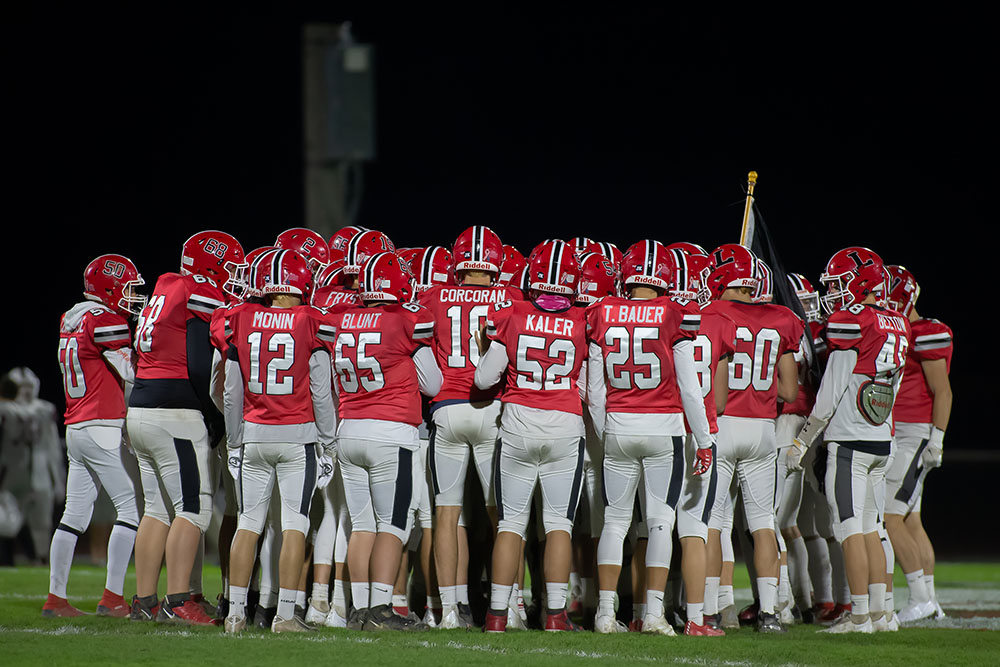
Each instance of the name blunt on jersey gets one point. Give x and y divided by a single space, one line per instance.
359 320
559 326
272 320
473 296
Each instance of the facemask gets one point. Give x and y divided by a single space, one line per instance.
552 302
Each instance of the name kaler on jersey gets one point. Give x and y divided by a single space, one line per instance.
550 324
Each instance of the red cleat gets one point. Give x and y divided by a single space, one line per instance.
495 623
560 623
748 615
113 605
830 614
189 613
57 607
402 611
635 625
693 630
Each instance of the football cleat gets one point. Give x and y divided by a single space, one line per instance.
293 624
450 619
235 624
141 612
264 617
748 615
848 624
336 618
429 619
465 615
808 616
635 625
57 607
893 624
189 613
657 625
830 615
938 611
881 624
692 629
714 621
786 616
560 622
769 624
200 600
383 617
356 621
222 607
112 605
514 619
495 623
607 624
317 612
728 618
916 611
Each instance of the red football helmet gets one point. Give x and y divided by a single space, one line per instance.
362 246
478 248
112 280
307 243
732 265
408 256
611 251
850 276
598 279
254 258
331 275
383 278
648 264
765 290
692 273
218 256
903 289
582 245
431 266
553 269
339 241
513 262
284 272
808 296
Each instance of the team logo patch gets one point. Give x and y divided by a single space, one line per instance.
875 401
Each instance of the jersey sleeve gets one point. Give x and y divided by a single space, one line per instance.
843 331
688 320
496 322
205 299
792 334
727 340
218 328
423 327
111 331
594 322
931 342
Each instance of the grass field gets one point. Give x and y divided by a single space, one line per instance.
970 593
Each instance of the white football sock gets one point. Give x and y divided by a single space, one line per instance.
798 569
268 598
381 593
638 610
711 595
448 596
606 603
301 598
360 593
726 597
695 612
876 600
890 603
462 593
767 588
339 595
61 560
555 595
784 587
859 606
654 603
929 583
820 572
321 592
286 603
120 545
399 601
434 602
500 597
918 587
237 601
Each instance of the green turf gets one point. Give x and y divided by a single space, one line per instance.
26 638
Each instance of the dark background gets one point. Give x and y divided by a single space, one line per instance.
128 131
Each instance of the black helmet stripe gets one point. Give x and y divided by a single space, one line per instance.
650 257
555 261
425 265
680 259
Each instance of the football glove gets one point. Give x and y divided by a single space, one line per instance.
324 471
703 461
934 450
794 455
234 461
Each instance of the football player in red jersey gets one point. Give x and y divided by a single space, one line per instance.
307 243
465 418
713 348
868 347
921 413
279 421
513 263
641 383
539 346
96 361
169 414
762 371
383 363
338 242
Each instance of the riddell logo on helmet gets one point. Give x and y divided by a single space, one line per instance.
477 266
645 280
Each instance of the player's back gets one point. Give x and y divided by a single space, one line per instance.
376 374
274 347
764 332
545 351
459 313
637 339
170 327
932 340
91 388
716 339
335 295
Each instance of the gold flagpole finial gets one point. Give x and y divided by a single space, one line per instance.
751 182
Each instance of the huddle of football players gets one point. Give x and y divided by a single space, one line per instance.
610 406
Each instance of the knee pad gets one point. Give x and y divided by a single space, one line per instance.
127 512
518 526
294 520
551 521
201 520
611 544
689 525
661 544
728 554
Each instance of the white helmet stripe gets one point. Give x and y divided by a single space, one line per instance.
426 263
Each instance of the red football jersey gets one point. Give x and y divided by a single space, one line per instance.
931 340
218 327
545 351
803 403
716 339
460 312
637 338
273 346
764 332
373 360
93 390
328 297
161 335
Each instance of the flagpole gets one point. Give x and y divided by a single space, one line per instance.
751 182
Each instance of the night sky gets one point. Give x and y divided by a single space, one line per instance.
129 132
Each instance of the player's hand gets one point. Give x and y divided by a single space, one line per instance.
703 461
324 470
934 450
482 341
794 456
234 462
